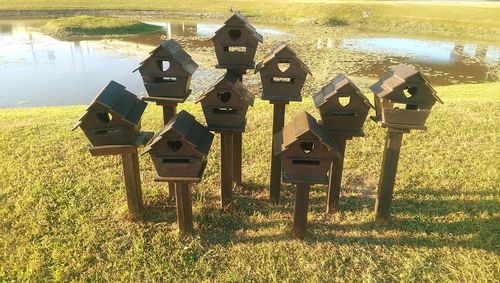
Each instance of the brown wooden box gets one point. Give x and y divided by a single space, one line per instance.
236 43
113 118
180 148
283 74
167 71
225 104
342 106
404 98
306 151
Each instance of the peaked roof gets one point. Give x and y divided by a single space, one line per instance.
174 49
119 101
238 20
302 124
235 84
197 135
333 88
397 76
282 47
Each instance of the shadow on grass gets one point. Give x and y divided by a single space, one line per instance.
336 23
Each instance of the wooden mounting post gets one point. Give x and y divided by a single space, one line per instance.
275 182
300 212
237 140
226 168
335 178
168 113
133 185
392 147
184 207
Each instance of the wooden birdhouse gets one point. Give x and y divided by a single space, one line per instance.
306 151
235 43
225 104
343 107
180 148
113 118
403 98
167 72
283 74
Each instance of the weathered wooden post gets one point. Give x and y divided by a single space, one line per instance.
235 45
112 123
166 74
283 75
225 106
343 109
306 152
403 101
179 153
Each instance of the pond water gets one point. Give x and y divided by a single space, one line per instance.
38 70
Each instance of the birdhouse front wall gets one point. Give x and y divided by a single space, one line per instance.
103 127
235 46
163 77
224 108
306 160
344 112
173 156
282 79
414 94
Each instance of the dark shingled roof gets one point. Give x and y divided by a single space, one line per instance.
174 49
300 125
120 102
282 46
236 85
197 135
397 76
243 22
333 87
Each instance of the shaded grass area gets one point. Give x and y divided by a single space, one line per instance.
473 21
62 212
89 26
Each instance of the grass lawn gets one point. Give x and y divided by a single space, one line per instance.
84 26
63 212
471 21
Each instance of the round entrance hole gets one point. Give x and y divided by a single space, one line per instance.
104 117
307 147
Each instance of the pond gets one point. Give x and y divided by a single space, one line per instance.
38 70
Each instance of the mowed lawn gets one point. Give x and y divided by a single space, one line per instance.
63 212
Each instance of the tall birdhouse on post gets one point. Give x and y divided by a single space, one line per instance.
179 153
112 123
236 43
167 72
306 152
283 75
403 101
343 109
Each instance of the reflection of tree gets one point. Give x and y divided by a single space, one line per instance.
6 29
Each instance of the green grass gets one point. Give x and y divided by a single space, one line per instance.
472 21
63 212
88 26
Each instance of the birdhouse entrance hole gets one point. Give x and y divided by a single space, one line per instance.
234 34
175 160
410 91
305 162
174 145
283 66
224 96
344 100
235 49
282 80
164 65
104 117
224 111
405 106
307 147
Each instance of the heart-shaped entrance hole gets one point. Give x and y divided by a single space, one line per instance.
283 66
344 100
174 145
307 147
410 91
224 96
164 65
234 34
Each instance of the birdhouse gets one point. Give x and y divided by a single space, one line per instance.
343 107
235 43
167 71
225 104
306 151
113 118
283 74
180 148
403 98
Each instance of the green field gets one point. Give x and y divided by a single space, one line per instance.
469 20
63 212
